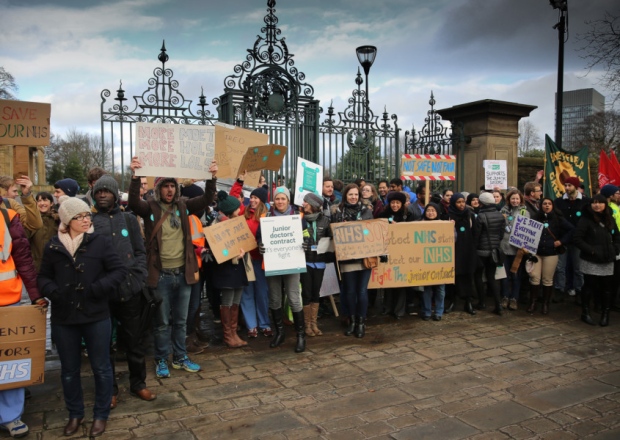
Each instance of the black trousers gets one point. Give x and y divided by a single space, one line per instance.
128 316
311 285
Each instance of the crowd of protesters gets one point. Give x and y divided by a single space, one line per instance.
95 262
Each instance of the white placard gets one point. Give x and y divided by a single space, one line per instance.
326 244
309 179
282 237
495 174
525 234
175 150
330 284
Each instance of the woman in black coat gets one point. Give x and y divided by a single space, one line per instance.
78 272
598 239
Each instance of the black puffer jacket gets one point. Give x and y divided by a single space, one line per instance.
80 286
316 230
572 209
491 226
597 243
560 228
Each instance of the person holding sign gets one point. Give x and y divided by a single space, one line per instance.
290 283
231 277
355 275
598 239
433 294
556 234
511 285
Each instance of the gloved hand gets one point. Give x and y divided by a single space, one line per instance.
383 258
261 248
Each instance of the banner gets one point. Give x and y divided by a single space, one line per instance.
22 346
309 179
231 144
495 174
265 157
24 123
359 239
560 164
227 238
175 150
606 171
420 254
428 167
525 234
283 238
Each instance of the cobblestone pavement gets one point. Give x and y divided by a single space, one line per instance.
480 377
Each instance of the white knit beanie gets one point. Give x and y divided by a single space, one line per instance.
70 208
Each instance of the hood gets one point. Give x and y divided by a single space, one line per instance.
158 184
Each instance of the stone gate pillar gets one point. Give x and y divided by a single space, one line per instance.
494 130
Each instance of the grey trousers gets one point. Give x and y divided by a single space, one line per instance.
290 283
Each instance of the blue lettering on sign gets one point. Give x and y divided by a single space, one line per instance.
15 371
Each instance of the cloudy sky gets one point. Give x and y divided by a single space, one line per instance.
67 51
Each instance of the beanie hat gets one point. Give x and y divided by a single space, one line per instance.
313 200
261 193
573 181
70 208
487 198
69 186
191 191
609 190
227 204
397 195
455 197
282 190
106 182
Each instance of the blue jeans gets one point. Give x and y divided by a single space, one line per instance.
572 252
511 285
255 300
68 340
355 291
175 294
194 304
439 292
12 401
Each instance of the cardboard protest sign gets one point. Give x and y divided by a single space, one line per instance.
227 238
265 157
525 234
24 123
359 239
231 144
420 254
175 150
283 239
428 167
22 346
309 179
495 174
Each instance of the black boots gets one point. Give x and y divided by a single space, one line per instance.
278 323
469 308
298 319
547 294
605 306
534 294
350 326
360 327
585 307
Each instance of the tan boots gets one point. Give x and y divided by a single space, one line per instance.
230 316
311 312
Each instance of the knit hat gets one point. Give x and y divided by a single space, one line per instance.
455 197
227 204
609 190
397 195
191 191
261 193
313 200
573 181
106 182
69 186
487 198
70 208
282 190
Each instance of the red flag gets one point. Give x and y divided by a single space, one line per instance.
606 172
615 164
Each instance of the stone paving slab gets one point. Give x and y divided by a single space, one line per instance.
444 429
611 378
251 427
552 400
497 416
454 382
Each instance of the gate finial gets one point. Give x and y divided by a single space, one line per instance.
163 56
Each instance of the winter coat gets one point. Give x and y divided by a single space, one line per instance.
572 209
80 286
124 230
29 214
467 235
363 211
597 243
402 215
510 217
491 224
555 224
229 274
315 231
42 235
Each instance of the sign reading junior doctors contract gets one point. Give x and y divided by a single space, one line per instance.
175 150
283 238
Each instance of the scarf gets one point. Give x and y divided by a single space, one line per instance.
351 211
175 221
71 244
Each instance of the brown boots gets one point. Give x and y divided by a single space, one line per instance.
230 316
311 312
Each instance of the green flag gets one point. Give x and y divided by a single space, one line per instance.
560 164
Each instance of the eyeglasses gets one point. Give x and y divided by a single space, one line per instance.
82 217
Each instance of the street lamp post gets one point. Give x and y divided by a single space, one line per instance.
366 56
562 5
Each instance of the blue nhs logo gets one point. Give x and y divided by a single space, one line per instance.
15 371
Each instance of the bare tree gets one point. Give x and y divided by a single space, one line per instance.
529 138
601 48
7 84
599 131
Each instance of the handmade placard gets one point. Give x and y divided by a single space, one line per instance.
359 239
428 167
265 157
309 179
525 234
495 174
227 238
24 123
420 254
283 238
231 144
175 150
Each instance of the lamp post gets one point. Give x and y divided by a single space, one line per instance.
366 56
562 5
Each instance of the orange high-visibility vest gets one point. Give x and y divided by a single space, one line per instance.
10 281
198 234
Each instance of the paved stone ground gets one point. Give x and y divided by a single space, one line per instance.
480 377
